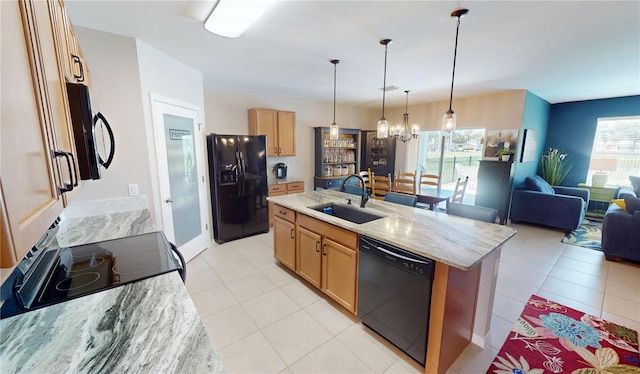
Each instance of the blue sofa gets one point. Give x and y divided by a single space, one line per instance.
555 206
621 229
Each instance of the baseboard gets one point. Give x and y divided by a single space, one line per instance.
479 340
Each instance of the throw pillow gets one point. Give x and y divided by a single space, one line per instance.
536 183
632 203
635 182
620 203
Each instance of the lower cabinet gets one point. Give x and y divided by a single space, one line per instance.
284 242
324 255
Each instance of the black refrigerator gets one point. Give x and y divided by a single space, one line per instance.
238 184
379 155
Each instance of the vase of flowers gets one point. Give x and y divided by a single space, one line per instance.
554 166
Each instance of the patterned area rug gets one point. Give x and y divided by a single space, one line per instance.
588 235
552 338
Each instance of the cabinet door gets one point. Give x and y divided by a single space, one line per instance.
339 273
284 242
264 122
30 176
286 134
308 257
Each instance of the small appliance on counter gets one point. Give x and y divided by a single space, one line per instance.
50 275
280 170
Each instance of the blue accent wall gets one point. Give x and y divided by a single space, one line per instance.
572 127
535 116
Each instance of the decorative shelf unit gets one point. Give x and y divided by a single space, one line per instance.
335 159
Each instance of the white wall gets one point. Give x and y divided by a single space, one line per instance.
115 91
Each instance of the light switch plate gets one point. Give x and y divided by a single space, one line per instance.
133 189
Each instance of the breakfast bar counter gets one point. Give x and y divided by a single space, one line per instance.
465 253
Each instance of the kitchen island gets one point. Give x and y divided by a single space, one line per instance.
142 327
466 255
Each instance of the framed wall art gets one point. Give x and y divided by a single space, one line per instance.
497 140
529 145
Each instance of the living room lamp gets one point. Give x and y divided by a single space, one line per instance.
601 166
402 131
334 131
383 124
231 18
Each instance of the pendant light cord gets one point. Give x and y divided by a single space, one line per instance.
453 73
384 81
334 91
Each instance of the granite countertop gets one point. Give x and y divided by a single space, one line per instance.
274 181
146 326
455 241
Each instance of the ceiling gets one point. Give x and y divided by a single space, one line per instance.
559 50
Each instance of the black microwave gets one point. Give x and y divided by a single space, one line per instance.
84 125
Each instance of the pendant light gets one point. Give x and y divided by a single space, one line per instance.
449 118
383 124
401 131
334 130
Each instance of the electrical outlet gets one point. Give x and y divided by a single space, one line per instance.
133 189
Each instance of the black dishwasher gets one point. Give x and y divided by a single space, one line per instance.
394 295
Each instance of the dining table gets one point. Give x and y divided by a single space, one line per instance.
432 197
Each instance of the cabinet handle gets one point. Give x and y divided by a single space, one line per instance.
317 249
66 186
76 59
275 149
279 150
282 212
324 249
291 234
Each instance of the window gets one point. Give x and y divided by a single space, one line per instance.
616 151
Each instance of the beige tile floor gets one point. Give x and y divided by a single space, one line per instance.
262 318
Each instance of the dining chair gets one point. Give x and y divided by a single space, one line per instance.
380 185
405 182
479 213
366 177
429 181
458 193
401 198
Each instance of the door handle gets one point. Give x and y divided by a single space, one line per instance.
324 249
112 141
291 234
317 249
168 200
79 78
66 187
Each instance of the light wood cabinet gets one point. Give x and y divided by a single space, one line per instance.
69 54
36 131
282 189
284 242
325 255
278 126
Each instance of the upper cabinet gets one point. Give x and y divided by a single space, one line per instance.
71 59
279 127
37 154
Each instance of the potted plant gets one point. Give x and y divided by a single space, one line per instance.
504 154
554 167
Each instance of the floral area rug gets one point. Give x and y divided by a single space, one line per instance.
552 338
588 235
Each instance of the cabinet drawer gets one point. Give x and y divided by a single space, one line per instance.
327 230
277 189
284 213
295 187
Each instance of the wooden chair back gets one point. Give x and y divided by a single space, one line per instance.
405 182
429 181
380 185
458 193
366 176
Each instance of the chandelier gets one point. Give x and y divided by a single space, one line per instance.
403 131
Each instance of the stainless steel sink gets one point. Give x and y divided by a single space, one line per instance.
346 212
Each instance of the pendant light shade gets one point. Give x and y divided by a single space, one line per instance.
449 118
334 131
383 124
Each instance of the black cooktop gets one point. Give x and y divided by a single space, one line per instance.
62 274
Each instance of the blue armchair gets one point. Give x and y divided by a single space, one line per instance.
564 208
621 229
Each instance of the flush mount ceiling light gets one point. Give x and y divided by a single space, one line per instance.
449 118
401 131
231 18
383 124
334 130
